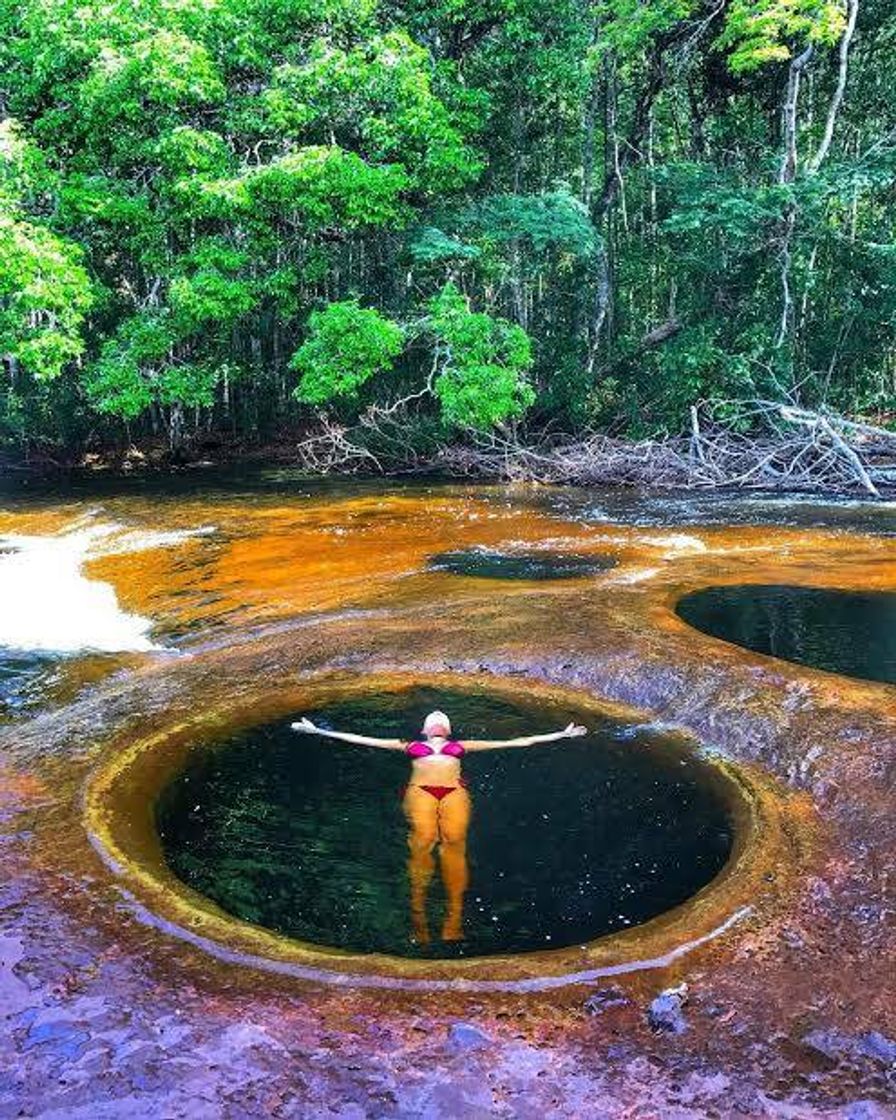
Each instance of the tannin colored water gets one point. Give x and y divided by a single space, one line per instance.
566 842
849 632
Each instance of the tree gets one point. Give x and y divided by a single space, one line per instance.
346 346
582 214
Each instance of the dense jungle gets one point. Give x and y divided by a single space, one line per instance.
374 232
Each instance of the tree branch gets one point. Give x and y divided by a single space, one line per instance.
837 99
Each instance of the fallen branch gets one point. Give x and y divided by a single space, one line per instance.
746 445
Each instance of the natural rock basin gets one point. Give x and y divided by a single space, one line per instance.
489 563
125 989
568 841
849 632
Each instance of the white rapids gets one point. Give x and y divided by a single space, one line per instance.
49 605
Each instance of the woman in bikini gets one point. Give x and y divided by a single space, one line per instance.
437 806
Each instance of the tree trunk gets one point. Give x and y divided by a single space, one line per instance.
789 161
786 175
840 90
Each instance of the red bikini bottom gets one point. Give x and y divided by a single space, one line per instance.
438 792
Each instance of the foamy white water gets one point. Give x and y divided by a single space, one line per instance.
49 605
635 575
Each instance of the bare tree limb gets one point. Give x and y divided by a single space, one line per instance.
840 90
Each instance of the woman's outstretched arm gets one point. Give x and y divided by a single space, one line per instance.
308 728
571 731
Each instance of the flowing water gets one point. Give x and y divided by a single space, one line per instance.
206 591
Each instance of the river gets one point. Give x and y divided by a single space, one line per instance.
145 618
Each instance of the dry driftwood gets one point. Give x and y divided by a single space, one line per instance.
757 444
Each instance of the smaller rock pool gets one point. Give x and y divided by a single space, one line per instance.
540 564
848 632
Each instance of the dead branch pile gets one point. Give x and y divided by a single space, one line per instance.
738 444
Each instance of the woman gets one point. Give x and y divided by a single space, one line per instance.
437 805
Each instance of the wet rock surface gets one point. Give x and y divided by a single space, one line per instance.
790 1013
666 1011
605 999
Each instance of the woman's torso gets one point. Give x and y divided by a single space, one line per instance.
436 768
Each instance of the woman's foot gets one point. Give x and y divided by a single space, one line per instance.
453 928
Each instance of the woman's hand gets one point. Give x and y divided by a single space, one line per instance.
305 725
574 731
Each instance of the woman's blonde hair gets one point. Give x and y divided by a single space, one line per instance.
435 722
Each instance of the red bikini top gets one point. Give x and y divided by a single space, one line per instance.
418 749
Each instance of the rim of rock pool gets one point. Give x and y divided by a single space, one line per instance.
120 795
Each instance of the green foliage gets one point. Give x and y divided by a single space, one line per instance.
192 191
194 150
25 179
45 294
209 292
758 32
627 26
346 345
485 363
122 382
45 291
432 246
705 205
320 186
552 220
378 95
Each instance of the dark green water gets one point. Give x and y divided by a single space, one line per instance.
568 841
487 563
849 632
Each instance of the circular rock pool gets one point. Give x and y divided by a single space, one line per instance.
536 564
566 841
848 632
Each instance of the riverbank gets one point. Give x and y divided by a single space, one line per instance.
739 446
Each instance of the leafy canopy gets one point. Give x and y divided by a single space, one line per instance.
762 31
45 290
347 345
486 360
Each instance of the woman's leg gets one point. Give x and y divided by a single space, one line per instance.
421 810
454 820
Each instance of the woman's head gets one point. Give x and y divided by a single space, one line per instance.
437 725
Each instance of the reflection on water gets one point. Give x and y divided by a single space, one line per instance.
489 563
566 842
851 632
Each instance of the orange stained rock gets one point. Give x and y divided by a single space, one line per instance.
613 633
